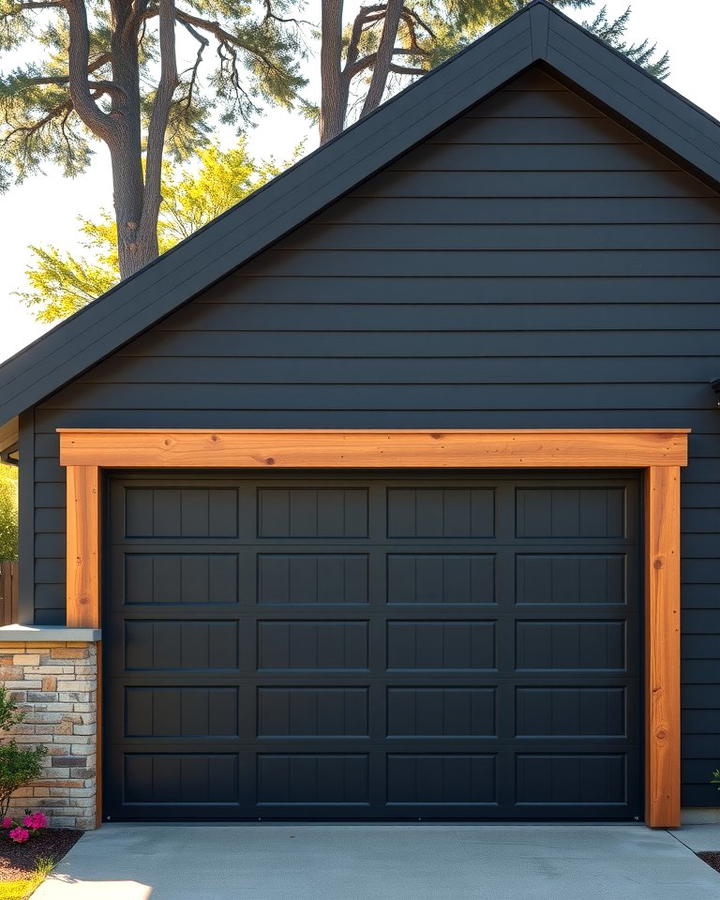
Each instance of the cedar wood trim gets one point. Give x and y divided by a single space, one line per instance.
659 453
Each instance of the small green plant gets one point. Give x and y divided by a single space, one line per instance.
716 778
19 766
23 889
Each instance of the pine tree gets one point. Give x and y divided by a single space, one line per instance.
109 72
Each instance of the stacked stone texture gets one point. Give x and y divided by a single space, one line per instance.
56 685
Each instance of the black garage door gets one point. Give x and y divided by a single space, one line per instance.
370 646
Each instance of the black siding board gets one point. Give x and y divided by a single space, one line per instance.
624 237
258 396
534 184
444 370
612 324
517 210
470 130
485 318
339 344
482 157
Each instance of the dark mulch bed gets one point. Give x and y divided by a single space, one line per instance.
712 858
19 860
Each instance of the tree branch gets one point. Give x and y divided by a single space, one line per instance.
85 106
224 37
96 64
269 14
394 9
203 43
29 130
40 4
62 109
406 70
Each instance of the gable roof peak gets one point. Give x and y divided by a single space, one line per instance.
537 33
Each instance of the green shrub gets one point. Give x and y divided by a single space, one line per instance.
19 766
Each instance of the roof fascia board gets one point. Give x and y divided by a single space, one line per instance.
265 216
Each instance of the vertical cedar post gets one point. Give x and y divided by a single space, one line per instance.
83 546
83 579
662 646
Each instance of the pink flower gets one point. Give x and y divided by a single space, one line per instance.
19 835
35 820
7 822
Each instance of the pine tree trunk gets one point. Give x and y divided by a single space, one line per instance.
135 250
332 107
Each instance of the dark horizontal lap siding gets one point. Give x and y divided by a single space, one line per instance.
533 264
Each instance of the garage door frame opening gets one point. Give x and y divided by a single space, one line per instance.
658 453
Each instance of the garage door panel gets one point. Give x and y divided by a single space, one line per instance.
440 645
313 779
566 512
441 712
331 712
372 646
181 512
587 579
440 512
182 711
181 578
312 578
561 779
312 645
181 778
312 513
543 712
432 578
172 644
438 779
582 645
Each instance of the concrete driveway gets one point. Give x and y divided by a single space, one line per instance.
369 862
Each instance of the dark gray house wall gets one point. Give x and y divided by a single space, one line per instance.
535 264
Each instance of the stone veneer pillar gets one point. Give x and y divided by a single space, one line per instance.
53 674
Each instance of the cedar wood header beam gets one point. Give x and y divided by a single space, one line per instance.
370 448
538 33
660 454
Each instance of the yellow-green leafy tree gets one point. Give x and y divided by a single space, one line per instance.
8 513
61 282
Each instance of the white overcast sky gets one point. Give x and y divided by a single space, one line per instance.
44 209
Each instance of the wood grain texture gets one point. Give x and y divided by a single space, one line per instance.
83 546
9 592
100 733
662 647
191 448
